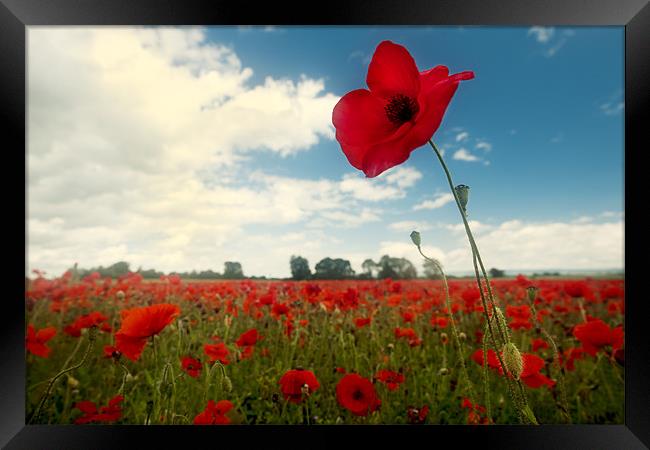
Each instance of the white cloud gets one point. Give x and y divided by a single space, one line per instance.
137 140
519 245
483 145
542 34
550 52
440 201
462 137
612 108
463 155
407 226
403 177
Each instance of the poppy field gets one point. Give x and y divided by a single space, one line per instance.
180 352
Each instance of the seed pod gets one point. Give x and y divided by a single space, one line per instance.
415 237
462 191
226 384
513 360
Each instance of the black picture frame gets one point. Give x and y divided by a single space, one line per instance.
16 15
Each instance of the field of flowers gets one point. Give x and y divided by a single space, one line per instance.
128 351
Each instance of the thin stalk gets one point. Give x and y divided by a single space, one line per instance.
91 343
477 257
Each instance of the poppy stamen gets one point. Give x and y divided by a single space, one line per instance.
401 109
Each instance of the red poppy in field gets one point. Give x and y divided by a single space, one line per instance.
539 344
191 366
531 375
139 324
596 334
361 322
417 416
298 383
217 352
391 379
214 413
492 360
380 127
438 321
106 414
248 338
94 319
111 352
357 394
570 355
35 340
475 412
520 316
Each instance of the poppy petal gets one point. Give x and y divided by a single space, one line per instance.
129 346
392 71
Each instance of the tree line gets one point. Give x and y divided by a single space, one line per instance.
326 269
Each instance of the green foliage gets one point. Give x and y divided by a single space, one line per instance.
300 268
333 269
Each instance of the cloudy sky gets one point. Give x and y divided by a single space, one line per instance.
179 149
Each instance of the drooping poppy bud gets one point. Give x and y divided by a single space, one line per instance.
513 360
415 237
462 191
532 293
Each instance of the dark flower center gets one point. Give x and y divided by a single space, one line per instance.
401 109
357 395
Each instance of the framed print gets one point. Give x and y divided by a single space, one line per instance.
380 218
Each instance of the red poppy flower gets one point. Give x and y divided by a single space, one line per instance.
139 324
361 322
110 413
475 412
380 127
191 366
492 360
569 356
217 352
539 344
417 416
292 384
35 341
357 394
248 338
214 413
596 334
390 378
111 352
94 319
531 375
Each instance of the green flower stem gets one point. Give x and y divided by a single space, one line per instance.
91 344
477 257
454 330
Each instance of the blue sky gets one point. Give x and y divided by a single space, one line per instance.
537 135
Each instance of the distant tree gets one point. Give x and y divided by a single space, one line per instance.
333 269
496 273
300 268
232 270
431 270
396 268
369 267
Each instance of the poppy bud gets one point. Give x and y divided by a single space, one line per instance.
462 336
226 384
462 191
513 360
72 382
415 237
444 371
120 295
444 338
532 293
227 321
